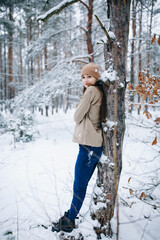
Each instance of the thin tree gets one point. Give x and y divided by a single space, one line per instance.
38 57
132 80
11 92
20 56
1 71
139 47
149 36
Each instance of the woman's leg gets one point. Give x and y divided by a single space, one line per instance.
85 165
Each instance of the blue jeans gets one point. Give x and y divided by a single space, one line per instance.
87 160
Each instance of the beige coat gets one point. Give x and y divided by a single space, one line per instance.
87 117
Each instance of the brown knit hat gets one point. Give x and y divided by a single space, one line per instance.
91 69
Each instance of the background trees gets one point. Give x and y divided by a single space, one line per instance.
30 48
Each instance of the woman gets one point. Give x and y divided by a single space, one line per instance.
88 133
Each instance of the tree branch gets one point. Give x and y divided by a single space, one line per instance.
45 4
82 28
57 9
103 28
84 4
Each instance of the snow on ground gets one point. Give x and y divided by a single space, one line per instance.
141 164
36 182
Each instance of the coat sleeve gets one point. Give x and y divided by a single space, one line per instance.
83 106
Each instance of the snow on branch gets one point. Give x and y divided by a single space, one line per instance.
53 84
57 9
157 11
103 28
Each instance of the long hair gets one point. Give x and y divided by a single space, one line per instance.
103 109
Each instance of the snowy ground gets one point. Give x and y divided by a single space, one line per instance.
36 182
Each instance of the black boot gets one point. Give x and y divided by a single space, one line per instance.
65 224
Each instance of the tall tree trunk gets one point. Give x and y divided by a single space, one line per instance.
30 63
5 73
1 74
39 56
139 48
11 91
132 80
54 53
89 30
45 58
39 67
109 169
149 37
149 44
20 59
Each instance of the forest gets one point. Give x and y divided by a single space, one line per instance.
43 46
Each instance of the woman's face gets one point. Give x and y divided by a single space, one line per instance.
88 80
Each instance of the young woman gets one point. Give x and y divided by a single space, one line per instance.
88 134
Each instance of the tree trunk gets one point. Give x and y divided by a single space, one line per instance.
132 80
5 73
45 58
47 109
109 168
89 31
1 74
31 61
54 53
29 40
39 57
10 59
149 36
139 48
20 60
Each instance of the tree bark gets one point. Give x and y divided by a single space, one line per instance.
20 59
11 92
139 48
132 80
45 58
1 74
89 31
30 62
149 36
5 72
39 57
109 168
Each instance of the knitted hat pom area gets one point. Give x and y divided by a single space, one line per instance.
91 69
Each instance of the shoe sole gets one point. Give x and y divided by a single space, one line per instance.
57 229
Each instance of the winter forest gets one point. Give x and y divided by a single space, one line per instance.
43 46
